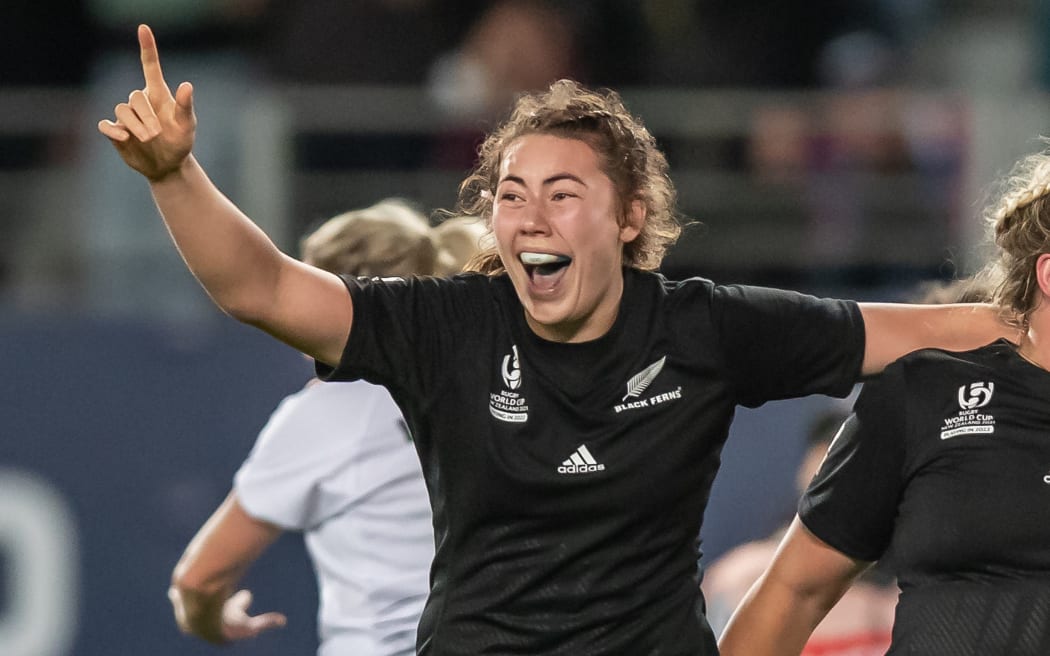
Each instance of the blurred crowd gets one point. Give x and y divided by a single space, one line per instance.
472 57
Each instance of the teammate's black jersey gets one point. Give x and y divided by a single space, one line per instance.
944 471
569 480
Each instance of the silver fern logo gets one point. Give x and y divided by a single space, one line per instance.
641 381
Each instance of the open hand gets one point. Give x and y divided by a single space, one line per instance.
219 617
154 130
237 624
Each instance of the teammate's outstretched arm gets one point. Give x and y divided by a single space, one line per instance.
896 329
203 583
239 266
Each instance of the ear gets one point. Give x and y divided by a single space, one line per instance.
634 221
1042 273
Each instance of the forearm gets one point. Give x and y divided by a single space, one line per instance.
780 611
776 622
895 329
212 565
232 258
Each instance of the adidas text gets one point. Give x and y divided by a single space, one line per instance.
580 469
580 462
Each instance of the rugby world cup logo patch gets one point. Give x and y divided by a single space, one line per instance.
971 419
975 395
509 404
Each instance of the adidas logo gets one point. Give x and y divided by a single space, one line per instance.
580 462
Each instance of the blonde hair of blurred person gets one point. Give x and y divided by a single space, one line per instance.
1019 226
459 238
390 238
333 462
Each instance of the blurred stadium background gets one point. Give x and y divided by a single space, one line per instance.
836 148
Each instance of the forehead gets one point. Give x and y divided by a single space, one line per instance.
541 155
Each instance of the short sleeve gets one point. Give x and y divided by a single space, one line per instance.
781 344
852 501
399 336
310 447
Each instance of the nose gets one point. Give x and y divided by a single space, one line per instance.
535 220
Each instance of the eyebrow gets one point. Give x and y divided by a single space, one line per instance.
549 181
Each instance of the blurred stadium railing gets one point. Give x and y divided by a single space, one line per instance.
786 187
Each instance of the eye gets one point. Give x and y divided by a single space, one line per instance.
509 196
562 195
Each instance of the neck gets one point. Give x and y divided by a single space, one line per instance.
587 328
1035 344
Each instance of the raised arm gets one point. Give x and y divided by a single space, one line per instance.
238 265
776 617
895 329
203 583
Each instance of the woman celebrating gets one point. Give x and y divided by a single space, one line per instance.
568 404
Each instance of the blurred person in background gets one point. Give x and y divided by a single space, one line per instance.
858 625
45 50
943 470
512 47
459 239
505 373
523 46
336 462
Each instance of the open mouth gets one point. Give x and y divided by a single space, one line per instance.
545 269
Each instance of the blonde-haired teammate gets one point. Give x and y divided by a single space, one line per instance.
335 461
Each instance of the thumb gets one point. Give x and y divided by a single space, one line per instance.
271 620
184 97
239 601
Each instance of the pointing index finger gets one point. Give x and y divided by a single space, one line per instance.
151 64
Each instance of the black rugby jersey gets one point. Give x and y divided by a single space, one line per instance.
569 481
944 472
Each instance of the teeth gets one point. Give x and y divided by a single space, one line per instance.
537 259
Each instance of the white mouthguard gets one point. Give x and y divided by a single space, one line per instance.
536 259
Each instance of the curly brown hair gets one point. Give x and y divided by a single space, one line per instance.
627 154
1019 223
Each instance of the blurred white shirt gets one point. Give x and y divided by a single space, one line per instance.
335 461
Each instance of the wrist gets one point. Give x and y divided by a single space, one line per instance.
174 175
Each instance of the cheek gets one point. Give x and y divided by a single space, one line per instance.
502 232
